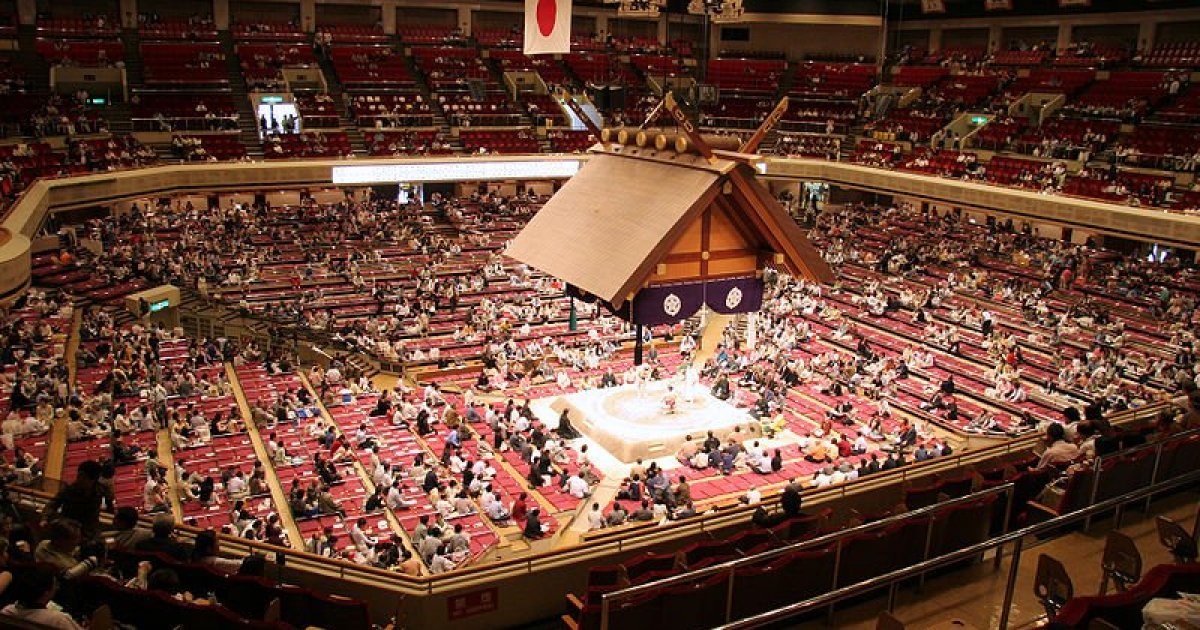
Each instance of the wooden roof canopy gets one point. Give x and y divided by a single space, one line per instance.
655 207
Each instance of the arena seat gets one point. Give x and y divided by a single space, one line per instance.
268 31
1171 55
1124 609
789 578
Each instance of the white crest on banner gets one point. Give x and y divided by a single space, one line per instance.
733 298
672 305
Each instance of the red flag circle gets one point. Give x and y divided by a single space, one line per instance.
547 13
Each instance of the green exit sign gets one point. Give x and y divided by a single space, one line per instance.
272 99
159 305
979 120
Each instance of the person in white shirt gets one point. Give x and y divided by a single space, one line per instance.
236 488
12 425
762 464
823 478
361 540
752 496
34 603
595 518
577 487
440 562
395 498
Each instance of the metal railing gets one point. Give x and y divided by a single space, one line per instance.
919 570
837 539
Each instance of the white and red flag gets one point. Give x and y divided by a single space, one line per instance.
547 27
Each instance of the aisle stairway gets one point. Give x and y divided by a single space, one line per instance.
247 120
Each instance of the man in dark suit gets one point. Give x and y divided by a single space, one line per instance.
790 499
162 540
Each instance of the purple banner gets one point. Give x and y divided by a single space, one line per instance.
735 295
667 304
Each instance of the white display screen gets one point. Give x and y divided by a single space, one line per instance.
461 170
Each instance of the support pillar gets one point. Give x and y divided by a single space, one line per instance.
466 20
995 38
221 16
388 13
27 12
1064 37
1147 32
128 17
308 15
935 39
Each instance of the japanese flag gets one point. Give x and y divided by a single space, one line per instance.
547 26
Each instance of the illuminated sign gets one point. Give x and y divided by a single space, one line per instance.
457 171
159 305
271 99
979 120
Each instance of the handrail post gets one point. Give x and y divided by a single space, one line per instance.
729 595
1008 508
604 612
1011 585
1097 469
1154 475
924 556
837 568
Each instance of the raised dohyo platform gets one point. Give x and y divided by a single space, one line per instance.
632 422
